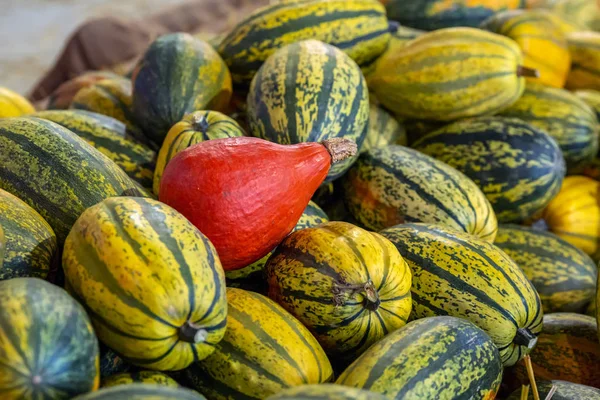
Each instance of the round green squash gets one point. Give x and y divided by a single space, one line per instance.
432 358
141 259
383 130
325 391
309 91
177 75
564 391
519 167
48 349
142 391
153 377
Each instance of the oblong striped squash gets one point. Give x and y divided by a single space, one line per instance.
350 287
194 128
153 377
111 363
307 92
585 56
252 277
111 138
591 98
264 351
567 349
437 14
574 214
358 27
565 117
142 391
564 391
325 391
517 166
383 130
429 359
492 292
450 74
13 104
29 243
140 258
55 172
564 276
396 184
177 75
48 346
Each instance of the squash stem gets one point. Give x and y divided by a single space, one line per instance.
526 72
371 301
393 26
340 148
524 337
192 333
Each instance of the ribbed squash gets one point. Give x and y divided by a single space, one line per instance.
252 277
383 130
517 166
177 75
111 138
192 129
111 363
49 350
153 377
307 92
459 275
565 117
325 391
141 258
358 27
543 42
29 244
574 214
396 184
564 276
450 74
142 391
430 359
563 391
350 287
13 104
585 57
591 98
264 351
57 173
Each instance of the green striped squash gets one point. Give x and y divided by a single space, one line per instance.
29 244
350 287
48 349
142 391
264 351
563 275
57 173
459 275
194 128
358 27
517 166
177 75
585 60
383 130
450 74
591 98
111 138
307 92
2 247
396 184
151 281
325 391
430 359
111 363
565 117
564 391
153 377
252 277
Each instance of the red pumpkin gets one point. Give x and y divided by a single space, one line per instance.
247 194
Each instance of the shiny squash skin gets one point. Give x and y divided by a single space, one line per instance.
585 55
13 104
153 377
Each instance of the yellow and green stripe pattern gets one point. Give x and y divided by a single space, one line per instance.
325 391
384 130
142 391
153 377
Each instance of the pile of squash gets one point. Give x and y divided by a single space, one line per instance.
337 199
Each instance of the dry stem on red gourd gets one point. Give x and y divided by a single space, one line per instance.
340 148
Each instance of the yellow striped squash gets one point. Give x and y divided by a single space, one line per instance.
194 128
383 129
574 214
561 390
350 287
585 56
13 104
151 281
142 391
325 391
264 351
153 377
48 349
432 358
543 42
392 185
460 275
450 74
565 117
358 27
591 98
577 14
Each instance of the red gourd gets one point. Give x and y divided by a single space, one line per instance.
247 194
